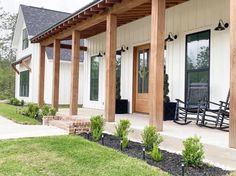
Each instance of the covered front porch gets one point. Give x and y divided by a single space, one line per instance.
215 141
106 16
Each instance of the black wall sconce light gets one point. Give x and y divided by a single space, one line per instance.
123 49
171 37
221 26
101 54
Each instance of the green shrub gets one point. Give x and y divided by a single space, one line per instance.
122 131
193 153
22 102
96 127
46 110
123 128
150 136
11 101
125 142
155 153
32 111
16 102
52 111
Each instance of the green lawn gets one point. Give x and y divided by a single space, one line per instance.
9 112
67 155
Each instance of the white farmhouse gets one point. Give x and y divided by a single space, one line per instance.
30 22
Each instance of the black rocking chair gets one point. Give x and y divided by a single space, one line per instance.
192 106
217 117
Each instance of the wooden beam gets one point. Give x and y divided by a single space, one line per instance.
56 73
111 40
232 121
119 8
15 69
26 65
156 72
66 46
41 76
75 60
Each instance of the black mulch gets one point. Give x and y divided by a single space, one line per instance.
171 162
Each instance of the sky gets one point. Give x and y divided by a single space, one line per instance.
61 5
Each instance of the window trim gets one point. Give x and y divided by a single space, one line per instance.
186 70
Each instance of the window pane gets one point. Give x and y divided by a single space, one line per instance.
143 71
94 78
197 73
198 84
118 76
25 41
24 83
198 50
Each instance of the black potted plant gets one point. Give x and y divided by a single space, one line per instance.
121 104
169 107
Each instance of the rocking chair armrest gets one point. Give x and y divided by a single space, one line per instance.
214 103
180 101
224 103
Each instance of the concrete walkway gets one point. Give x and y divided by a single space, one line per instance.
12 130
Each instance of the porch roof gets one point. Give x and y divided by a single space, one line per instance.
126 11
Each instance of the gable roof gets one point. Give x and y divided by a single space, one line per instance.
38 19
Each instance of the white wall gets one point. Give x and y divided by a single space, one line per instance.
190 17
64 82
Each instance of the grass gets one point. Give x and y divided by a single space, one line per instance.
67 155
9 112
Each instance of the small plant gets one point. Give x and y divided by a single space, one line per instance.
155 153
16 102
150 136
122 131
32 111
46 111
125 142
193 153
22 102
96 127
52 111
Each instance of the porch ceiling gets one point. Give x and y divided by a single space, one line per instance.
126 13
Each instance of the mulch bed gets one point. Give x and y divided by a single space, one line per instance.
171 162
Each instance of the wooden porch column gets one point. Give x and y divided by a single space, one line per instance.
232 122
111 38
75 72
156 73
41 75
56 73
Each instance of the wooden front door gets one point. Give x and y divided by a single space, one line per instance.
141 78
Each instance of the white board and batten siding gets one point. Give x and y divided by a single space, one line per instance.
64 82
190 17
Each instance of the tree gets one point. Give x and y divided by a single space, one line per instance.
7 54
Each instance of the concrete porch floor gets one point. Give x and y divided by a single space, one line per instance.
215 141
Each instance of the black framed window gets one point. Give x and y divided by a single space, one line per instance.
24 83
94 78
197 67
25 40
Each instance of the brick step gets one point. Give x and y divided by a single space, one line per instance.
71 125
65 125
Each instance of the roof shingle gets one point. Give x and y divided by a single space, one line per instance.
38 19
